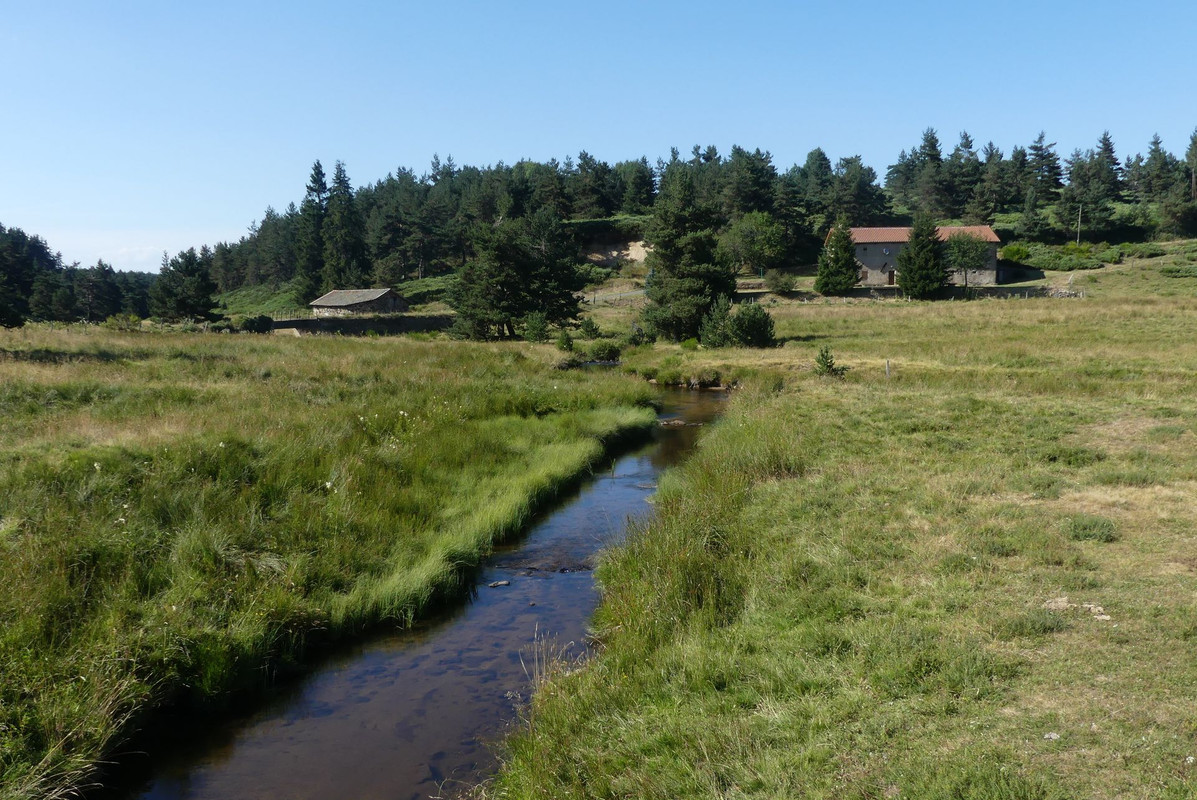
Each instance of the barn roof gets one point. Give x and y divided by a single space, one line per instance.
339 298
894 235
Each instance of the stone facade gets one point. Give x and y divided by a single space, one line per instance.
877 255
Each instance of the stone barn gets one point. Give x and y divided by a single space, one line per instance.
877 254
347 302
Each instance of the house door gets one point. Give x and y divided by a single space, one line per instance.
891 274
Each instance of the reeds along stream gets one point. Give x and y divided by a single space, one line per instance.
415 714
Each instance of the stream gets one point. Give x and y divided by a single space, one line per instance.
414 714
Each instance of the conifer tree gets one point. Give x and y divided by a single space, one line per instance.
1031 224
309 245
1045 167
184 287
1191 162
922 269
837 272
10 315
1109 169
686 278
344 237
523 266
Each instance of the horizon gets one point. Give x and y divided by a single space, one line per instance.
158 129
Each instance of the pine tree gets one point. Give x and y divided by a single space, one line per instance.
715 330
10 315
1191 163
1031 224
184 287
962 175
838 271
522 266
345 265
309 245
1109 168
636 181
99 295
685 278
922 269
1045 169
749 183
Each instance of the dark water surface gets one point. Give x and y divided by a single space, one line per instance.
412 714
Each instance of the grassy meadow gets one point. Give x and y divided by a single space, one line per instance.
182 515
974 579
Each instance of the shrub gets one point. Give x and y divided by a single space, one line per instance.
779 282
260 323
1016 252
1141 249
689 344
123 322
565 342
642 332
604 351
715 330
752 326
590 329
825 364
536 327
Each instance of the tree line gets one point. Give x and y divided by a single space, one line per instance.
706 214
36 285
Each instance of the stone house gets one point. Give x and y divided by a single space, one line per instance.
347 302
877 254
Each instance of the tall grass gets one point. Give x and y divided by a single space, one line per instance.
182 516
971 579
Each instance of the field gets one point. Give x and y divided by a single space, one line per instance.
974 578
183 516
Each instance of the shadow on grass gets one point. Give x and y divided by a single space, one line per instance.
47 356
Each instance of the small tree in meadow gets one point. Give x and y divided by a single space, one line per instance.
837 263
752 326
715 330
922 269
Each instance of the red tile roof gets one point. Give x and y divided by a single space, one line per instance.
895 235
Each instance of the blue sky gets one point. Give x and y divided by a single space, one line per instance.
130 128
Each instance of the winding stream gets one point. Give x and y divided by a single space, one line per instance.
413 714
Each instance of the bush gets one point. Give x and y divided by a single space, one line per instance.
689 344
260 323
779 282
536 327
825 364
642 332
604 351
565 342
123 322
1016 252
715 330
753 327
590 329
1141 249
